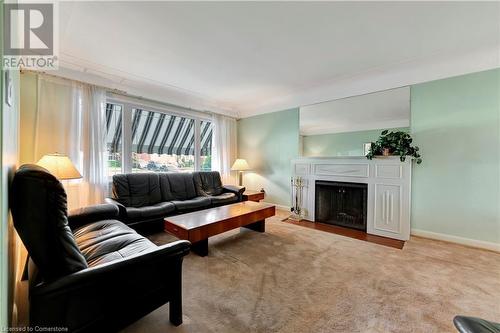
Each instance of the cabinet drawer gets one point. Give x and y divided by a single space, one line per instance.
176 231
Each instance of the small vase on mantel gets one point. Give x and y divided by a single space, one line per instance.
386 152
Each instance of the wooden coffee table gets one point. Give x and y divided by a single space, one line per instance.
196 227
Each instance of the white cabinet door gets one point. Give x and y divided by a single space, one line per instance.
388 209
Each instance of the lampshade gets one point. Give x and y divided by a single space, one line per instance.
60 166
240 165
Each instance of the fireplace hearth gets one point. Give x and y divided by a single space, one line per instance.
341 203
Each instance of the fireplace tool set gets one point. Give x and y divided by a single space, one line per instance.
298 184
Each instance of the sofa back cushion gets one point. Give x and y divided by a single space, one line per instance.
181 185
137 189
165 189
208 183
38 205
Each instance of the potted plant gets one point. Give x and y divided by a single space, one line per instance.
394 143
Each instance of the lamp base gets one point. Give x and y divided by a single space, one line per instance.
240 178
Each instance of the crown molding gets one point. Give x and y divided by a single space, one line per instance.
130 84
406 73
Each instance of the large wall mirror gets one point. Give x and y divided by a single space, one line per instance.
342 127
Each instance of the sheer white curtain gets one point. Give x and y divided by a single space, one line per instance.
70 119
93 145
224 146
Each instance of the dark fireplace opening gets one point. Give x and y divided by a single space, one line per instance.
341 203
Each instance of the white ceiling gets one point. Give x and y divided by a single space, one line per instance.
384 109
254 57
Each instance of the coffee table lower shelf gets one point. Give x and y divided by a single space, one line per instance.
197 227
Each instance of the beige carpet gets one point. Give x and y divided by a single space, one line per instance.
295 279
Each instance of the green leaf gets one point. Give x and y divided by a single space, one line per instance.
399 143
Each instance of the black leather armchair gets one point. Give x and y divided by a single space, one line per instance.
89 272
475 325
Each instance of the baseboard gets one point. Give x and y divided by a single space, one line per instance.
280 207
456 239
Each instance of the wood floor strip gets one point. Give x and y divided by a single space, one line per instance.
357 234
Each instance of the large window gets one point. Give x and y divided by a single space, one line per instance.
114 138
206 129
162 142
156 141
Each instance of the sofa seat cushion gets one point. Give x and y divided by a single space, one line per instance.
159 210
192 204
223 199
109 240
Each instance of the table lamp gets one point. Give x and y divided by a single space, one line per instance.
240 165
60 166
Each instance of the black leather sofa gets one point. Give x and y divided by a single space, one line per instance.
89 272
146 198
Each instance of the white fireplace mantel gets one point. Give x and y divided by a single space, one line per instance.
389 188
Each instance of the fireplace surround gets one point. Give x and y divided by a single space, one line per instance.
388 182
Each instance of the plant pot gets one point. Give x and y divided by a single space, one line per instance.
386 152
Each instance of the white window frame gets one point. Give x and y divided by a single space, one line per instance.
129 104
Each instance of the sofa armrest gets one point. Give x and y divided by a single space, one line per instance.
121 208
144 281
85 215
238 190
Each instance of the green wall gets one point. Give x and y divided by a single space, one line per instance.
268 142
455 122
340 144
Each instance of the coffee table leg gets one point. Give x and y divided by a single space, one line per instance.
200 248
259 226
